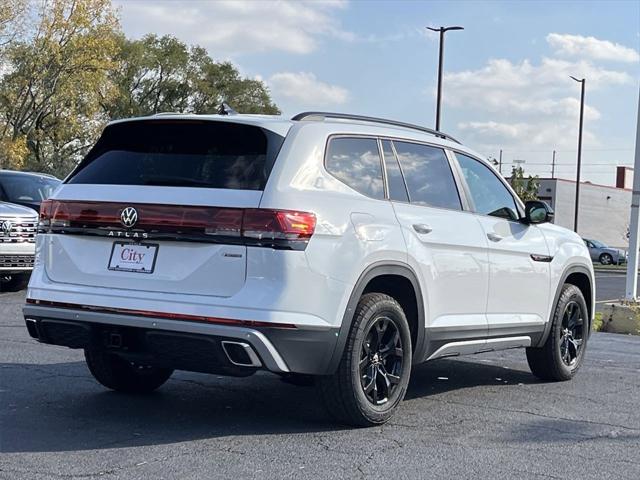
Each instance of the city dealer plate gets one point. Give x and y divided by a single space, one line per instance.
133 257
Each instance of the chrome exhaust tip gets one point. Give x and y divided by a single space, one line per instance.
241 354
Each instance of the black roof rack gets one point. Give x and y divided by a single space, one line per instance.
364 118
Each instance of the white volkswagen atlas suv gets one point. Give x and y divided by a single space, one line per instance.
339 247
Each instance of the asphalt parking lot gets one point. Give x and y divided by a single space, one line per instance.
484 416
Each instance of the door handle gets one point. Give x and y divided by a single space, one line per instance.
494 237
422 228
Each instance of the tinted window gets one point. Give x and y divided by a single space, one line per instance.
428 175
356 162
489 194
181 153
28 188
395 182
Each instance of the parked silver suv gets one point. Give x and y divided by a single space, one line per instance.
18 226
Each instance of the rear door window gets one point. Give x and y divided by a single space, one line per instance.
356 162
428 175
181 153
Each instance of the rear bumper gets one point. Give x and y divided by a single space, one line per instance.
186 345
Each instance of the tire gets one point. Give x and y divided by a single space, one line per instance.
549 362
606 259
117 374
14 283
355 393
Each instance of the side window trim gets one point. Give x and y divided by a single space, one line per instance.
383 164
404 180
516 200
463 188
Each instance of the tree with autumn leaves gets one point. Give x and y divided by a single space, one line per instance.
67 69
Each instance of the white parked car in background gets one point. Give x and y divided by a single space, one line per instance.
340 247
18 227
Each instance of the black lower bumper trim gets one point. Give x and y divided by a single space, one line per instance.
178 351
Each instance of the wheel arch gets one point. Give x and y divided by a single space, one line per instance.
377 277
581 277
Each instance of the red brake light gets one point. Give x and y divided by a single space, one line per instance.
45 213
278 224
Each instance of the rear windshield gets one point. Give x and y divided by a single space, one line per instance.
181 153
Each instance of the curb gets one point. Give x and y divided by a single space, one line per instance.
622 271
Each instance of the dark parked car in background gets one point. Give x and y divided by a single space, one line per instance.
605 255
26 188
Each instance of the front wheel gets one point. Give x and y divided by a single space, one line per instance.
563 352
118 374
606 259
373 374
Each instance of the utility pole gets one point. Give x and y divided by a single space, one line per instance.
632 263
575 216
500 163
442 31
553 165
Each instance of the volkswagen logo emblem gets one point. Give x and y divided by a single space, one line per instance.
6 227
129 217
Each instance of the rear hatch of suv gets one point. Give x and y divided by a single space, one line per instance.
163 205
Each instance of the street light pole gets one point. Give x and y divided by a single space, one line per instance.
634 226
442 30
575 216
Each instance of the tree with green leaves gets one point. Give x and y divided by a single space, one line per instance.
162 74
64 77
525 188
50 99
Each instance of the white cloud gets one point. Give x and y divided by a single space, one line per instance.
228 27
525 105
305 88
591 47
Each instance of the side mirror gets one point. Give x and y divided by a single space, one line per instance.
536 211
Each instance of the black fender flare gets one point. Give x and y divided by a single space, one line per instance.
372 271
568 271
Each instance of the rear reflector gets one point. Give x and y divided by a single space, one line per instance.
161 315
253 226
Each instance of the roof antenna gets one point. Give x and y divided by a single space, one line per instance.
225 109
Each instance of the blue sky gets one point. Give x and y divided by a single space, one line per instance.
506 83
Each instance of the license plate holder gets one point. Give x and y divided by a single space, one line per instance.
133 257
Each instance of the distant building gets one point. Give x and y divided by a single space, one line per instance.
603 213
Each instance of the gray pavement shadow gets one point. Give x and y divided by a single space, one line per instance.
560 430
60 407
443 375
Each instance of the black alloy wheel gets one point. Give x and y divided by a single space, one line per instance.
572 332
381 360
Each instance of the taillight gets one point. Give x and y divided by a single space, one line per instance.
252 226
263 224
45 214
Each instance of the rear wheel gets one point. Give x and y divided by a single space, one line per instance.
373 374
606 259
118 374
563 352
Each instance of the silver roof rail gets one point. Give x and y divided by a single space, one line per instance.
363 118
